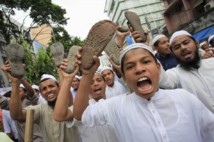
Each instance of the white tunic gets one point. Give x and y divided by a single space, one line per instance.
170 116
8 124
99 133
117 89
199 82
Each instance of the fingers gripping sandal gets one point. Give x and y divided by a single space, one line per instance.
134 22
15 54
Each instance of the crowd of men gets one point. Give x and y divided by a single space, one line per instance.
161 92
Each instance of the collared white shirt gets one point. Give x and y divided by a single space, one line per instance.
116 89
170 116
99 133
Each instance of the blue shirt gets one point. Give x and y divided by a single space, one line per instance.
168 62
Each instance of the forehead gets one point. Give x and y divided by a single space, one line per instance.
106 71
97 76
163 38
180 39
47 82
75 79
135 54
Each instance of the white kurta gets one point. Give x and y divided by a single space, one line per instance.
199 82
170 116
8 123
117 89
99 133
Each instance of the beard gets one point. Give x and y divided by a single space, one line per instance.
52 103
192 64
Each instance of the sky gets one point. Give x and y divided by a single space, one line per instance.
83 15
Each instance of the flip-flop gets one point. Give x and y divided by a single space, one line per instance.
73 51
57 50
135 23
112 49
15 54
98 37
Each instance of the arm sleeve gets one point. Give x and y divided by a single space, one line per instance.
206 120
6 120
169 79
72 122
95 115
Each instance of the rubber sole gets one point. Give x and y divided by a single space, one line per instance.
98 37
57 50
135 23
73 51
15 54
112 49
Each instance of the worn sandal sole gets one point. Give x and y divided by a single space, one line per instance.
15 54
73 51
57 50
98 37
135 23
112 49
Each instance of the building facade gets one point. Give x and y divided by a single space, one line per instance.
149 12
192 15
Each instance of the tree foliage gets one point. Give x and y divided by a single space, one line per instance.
61 35
41 12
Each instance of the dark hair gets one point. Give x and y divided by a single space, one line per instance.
122 61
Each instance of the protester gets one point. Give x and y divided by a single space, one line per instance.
41 100
160 44
75 85
51 130
103 133
211 41
113 87
193 73
25 94
149 113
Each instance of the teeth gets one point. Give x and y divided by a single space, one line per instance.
142 79
50 95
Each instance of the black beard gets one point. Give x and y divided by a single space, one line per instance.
189 65
52 103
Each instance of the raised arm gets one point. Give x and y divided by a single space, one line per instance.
82 97
61 111
15 104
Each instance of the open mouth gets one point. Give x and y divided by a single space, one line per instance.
50 96
98 90
144 83
186 54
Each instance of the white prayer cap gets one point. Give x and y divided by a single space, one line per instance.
201 44
178 33
35 87
156 38
21 86
47 76
135 46
105 68
77 77
210 38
